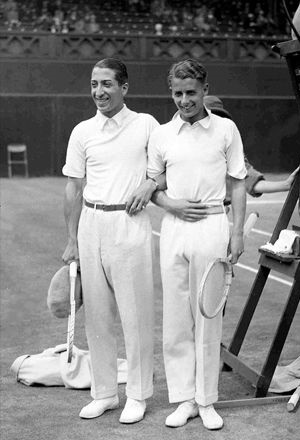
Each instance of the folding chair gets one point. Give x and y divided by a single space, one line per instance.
17 155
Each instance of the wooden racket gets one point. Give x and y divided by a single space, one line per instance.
71 317
292 403
216 280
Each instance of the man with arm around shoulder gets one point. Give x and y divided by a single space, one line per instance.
196 149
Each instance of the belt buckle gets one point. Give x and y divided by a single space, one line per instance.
105 208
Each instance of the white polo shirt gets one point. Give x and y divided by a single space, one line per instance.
197 157
111 153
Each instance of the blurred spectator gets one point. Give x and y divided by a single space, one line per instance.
262 23
45 5
44 21
173 29
58 16
251 23
264 17
167 14
56 24
200 20
72 18
91 25
8 6
187 18
133 5
244 18
79 24
271 25
158 29
65 27
157 8
13 20
212 21
11 14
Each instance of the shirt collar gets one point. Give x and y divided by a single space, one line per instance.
118 118
179 123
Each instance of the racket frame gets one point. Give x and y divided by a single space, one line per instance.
228 278
251 220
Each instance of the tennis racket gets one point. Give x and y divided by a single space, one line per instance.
292 403
216 280
71 317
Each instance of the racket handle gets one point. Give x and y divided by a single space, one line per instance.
251 220
73 269
293 400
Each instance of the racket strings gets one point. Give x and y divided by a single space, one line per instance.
215 287
216 281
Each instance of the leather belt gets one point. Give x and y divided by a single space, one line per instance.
120 207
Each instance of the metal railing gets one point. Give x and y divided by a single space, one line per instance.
138 46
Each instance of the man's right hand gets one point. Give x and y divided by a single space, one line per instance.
71 253
187 210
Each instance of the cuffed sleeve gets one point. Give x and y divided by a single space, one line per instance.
75 159
252 178
235 154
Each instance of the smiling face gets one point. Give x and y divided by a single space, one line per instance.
107 93
188 97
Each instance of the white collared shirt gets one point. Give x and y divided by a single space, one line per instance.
111 153
197 157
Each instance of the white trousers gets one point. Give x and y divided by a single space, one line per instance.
116 271
191 343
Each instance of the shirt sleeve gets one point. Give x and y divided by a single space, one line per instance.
252 178
152 124
234 153
75 158
156 163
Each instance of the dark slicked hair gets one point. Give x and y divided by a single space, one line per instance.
189 68
117 66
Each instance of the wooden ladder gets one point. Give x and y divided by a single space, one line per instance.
291 51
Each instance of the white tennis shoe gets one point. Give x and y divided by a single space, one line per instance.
97 407
186 410
210 417
133 411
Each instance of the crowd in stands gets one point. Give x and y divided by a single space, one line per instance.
158 17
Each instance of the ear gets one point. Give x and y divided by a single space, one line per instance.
125 88
205 89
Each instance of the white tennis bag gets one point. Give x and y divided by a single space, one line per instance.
50 368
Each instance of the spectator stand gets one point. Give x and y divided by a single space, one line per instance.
194 17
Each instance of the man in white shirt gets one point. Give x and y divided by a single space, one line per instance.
106 161
196 149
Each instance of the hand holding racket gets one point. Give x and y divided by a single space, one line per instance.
71 318
216 281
